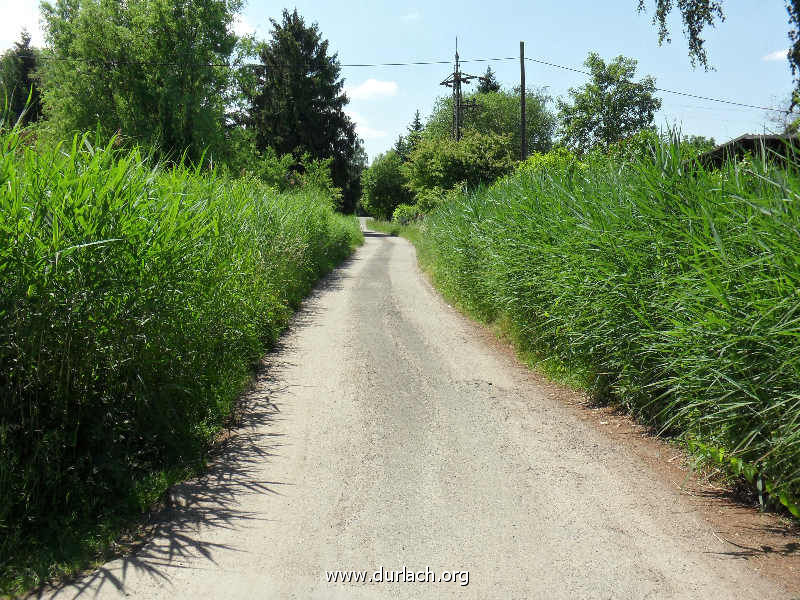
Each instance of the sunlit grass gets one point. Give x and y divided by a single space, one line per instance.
134 300
665 287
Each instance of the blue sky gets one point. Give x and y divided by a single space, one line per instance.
746 51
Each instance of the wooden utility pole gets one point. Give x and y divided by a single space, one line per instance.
522 125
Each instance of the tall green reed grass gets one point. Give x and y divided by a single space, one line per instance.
671 289
134 300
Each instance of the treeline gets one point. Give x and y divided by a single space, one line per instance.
174 77
609 115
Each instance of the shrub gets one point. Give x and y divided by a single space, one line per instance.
384 186
272 169
404 214
428 199
445 164
316 175
559 160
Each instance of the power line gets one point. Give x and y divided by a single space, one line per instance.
103 63
428 62
404 64
413 64
665 90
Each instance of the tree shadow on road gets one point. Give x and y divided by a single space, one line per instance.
176 532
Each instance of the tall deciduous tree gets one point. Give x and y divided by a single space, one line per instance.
608 108
297 101
385 186
699 14
783 122
499 113
154 70
18 85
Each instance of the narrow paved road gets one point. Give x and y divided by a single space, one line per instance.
385 434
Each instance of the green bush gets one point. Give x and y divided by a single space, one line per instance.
670 289
444 164
384 186
134 300
559 160
316 176
282 173
405 213
429 198
274 170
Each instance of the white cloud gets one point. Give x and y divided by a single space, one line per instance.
371 89
19 14
412 16
241 27
363 129
778 55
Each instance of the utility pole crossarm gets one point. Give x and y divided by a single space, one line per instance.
455 81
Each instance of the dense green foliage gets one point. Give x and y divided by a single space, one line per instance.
639 146
405 214
18 86
297 101
173 77
441 164
384 186
664 287
610 107
133 301
427 165
559 160
140 68
498 113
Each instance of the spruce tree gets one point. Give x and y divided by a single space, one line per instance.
488 83
17 80
297 103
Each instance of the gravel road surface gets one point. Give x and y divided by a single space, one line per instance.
385 435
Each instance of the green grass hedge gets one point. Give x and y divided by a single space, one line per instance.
134 300
663 286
